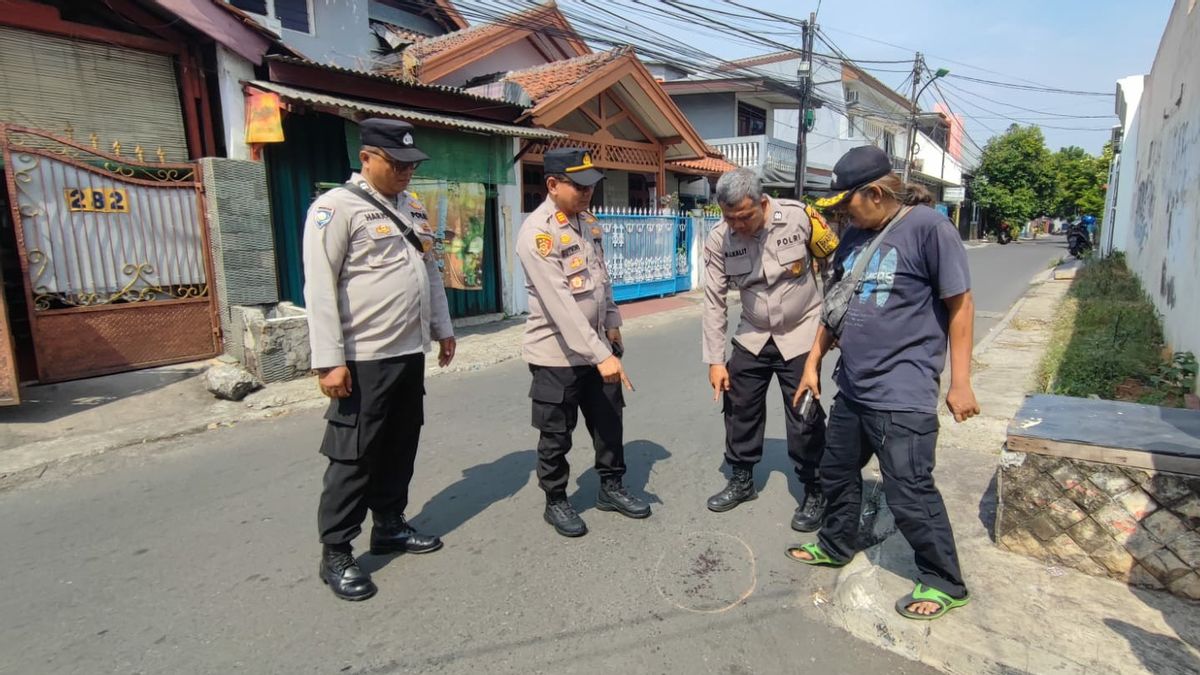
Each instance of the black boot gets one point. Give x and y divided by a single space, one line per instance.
393 534
342 574
811 512
562 516
614 497
740 489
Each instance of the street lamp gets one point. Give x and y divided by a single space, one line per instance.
912 121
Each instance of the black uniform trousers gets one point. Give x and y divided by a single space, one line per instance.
559 394
905 443
371 441
746 411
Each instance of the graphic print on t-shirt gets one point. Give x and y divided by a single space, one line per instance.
879 278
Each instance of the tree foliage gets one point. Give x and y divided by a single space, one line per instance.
1019 178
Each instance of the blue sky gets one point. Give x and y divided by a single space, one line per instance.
1070 44
1083 45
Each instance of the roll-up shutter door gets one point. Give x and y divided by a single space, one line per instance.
74 86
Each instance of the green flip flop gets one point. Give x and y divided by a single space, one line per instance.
923 593
819 557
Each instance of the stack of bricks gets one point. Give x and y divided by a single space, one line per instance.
1140 527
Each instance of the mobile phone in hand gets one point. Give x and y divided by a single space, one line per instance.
805 405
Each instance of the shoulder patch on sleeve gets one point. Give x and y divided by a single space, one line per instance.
321 216
544 243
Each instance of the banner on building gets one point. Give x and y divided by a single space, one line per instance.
456 212
264 123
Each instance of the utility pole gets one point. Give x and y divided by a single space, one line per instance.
911 135
804 73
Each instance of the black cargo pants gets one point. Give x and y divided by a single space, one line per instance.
371 441
559 394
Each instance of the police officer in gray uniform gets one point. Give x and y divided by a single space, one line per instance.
762 248
375 300
573 341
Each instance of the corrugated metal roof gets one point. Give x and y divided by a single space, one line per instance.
416 116
375 75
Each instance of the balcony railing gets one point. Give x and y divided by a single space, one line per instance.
775 156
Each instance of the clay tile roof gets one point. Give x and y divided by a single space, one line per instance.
541 82
713 163
442 43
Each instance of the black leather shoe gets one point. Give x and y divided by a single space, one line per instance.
393 534
562 516
740 489
614 497
811 512
343 576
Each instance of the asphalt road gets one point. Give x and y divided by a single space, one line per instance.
200 555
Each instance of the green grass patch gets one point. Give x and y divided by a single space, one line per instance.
1108 342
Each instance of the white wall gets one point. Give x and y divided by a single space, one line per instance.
1118 221
513 296
1163 245
931 155
517 56
231 71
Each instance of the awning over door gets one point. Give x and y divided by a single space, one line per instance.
342 104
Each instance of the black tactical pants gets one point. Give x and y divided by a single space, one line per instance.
746 411
905 443
371 441
559 394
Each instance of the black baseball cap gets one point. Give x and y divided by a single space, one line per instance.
855 169
574 163
393 137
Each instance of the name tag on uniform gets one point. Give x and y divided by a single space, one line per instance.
738 262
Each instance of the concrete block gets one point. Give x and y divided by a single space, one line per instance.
1169 488
1067 270
1067 476
1187 547
1190 510
1165 566
1115 559
1117 522
1089 497
1137 503
1064 549
1089 535
1164 526
1042 527
1064 513
1187 586
1110 480
1139 576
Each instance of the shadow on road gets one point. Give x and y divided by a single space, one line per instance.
480 486
640 457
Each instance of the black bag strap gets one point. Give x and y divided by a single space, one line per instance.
860 265
404 228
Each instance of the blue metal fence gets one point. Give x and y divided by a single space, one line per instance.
650 253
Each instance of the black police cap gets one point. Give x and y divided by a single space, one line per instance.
393 137
855 169
574 163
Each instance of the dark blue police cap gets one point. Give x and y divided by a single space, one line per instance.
574 163
393 137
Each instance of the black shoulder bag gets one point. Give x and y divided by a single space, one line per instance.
837 298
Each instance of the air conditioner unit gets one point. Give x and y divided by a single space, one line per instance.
852 98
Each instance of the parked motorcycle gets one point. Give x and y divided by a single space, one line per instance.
1003 234
1079 240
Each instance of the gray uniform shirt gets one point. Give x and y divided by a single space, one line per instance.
370 294
772 271
570 293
